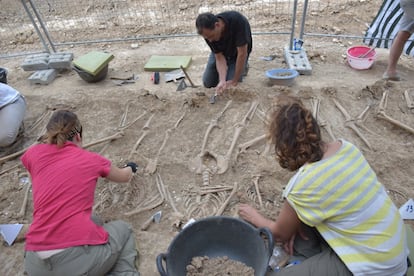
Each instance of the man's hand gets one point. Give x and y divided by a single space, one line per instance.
222 86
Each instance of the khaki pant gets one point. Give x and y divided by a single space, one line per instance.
315 256
11 118
117 257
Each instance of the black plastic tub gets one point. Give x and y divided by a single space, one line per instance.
218 237
91 78
3 75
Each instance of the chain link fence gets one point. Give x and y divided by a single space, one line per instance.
50 23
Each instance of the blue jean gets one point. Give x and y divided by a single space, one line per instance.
211 77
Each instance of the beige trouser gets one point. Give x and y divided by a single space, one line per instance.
316 258
117 257
11 117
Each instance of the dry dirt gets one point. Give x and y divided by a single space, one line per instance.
101 106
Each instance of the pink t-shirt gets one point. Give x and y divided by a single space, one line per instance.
64 181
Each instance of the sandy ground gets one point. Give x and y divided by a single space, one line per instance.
185 117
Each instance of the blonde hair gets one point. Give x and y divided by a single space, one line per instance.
62 127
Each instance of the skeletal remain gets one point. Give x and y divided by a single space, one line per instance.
223 163
410 103
262 116
152 164
106 139
152 203
323 123
233 192
167 194
197 163
14 155
46 114
9 169
123 127
256 185
25 199
349 122
206 177
243 147
382 115
145 130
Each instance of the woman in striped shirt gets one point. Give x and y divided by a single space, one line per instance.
337 218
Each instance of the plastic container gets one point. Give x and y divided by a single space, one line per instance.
91 78
282 76
218 236
360 63
3 75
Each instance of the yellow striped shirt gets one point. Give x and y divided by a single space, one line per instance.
342 197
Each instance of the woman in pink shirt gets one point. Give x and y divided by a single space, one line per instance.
62 238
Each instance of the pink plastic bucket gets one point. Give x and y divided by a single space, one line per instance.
360 63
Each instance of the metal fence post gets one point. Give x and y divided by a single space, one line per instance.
35 26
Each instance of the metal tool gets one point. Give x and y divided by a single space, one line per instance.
154 218
181 85
213 98
188 77
367 52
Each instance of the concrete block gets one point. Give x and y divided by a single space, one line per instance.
298 60
43 76
60 60
36 62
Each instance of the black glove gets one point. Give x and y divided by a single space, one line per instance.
133 166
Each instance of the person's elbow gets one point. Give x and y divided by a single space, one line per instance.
120 175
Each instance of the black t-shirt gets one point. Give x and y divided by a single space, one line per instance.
236 33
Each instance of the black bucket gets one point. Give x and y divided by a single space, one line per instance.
3 75
218 237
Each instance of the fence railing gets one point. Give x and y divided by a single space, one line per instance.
28 26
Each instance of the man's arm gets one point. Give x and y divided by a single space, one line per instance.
240 62
221 65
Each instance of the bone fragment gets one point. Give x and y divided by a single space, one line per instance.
22 211
196 164
233 192
381 114
256 185
351 124
206 177
106 139
9 169
410 103
152 203
152 164
223 164
145 130
259 139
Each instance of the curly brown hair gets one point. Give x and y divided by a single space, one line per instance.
295 133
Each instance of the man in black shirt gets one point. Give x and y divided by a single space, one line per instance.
229 36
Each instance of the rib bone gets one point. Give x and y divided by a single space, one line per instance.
233 192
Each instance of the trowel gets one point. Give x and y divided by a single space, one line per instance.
154 218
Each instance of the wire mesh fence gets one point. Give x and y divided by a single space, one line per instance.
87 21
